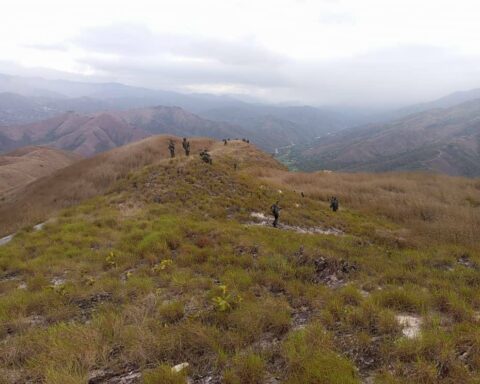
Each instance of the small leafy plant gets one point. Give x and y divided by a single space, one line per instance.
226 301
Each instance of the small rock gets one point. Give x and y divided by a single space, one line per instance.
6 239
57 281
411 325
38 227
180 367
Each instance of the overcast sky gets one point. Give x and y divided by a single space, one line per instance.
322 52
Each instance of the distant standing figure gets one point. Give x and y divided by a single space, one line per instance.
224 141
235 166
171 148
186 146
276 213
334 204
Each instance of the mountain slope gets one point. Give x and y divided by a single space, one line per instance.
27 164
174 263
447 101
90 134
83 179
440 140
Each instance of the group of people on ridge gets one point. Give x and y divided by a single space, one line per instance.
225 141
204 155
185 145
275 208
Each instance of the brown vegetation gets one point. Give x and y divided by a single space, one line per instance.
84 179
166 268
435 207
24 165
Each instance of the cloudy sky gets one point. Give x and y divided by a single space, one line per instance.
322 52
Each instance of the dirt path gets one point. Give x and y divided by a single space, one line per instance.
264 221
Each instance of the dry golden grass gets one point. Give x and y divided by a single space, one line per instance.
85 179
435 207
96 175
24 165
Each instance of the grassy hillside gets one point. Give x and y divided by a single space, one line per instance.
83 180
165 264
24 165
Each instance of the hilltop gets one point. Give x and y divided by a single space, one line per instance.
143 263
444 140
25 165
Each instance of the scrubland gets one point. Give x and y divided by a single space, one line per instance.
165 265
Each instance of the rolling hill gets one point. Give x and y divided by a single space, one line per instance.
445 140
155 270
27 164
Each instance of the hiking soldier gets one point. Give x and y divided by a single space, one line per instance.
276 213
186 146
334 204
205 156
171 148
224 141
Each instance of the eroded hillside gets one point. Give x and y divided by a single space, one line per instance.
175 261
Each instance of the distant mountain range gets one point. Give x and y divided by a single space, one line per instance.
92 117
88 134
443 140
26 100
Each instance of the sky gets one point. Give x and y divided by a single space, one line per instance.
319 52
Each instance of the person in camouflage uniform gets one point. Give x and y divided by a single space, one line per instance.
275 208
186 146
334 204
171 148
205 156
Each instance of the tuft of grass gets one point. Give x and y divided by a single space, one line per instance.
310 359
245 369
163 374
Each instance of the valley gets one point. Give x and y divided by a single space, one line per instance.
443 140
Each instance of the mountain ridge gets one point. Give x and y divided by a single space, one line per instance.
442 140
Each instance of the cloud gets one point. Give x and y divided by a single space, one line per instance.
125 40
392 76
62 47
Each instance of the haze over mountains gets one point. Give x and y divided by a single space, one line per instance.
88 118
26 100
445 140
